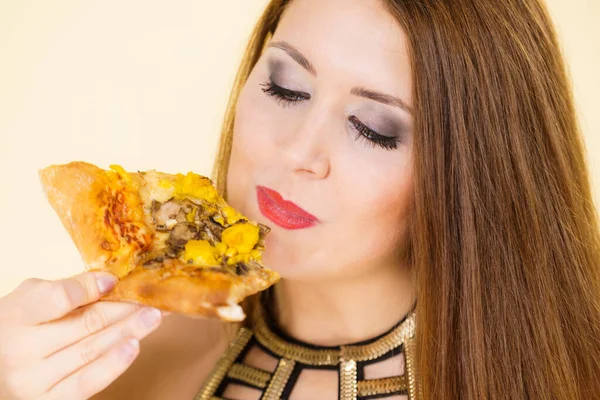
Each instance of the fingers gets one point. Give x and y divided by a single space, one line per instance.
69 360
97 375
81 323
45 301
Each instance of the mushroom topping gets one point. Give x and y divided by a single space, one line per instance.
233 242
164 214
213 231
180 217
181 234
241 268
263 231
167 215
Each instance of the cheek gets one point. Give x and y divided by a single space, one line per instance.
249 148
368 231
257 123
379 202
384 195
260 125
365 211
389 207
377 186
250 124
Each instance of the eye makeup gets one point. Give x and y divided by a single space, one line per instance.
370 122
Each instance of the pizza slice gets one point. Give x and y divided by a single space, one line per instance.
173 242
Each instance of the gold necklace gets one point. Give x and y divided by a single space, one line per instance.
293 356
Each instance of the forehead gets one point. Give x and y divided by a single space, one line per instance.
355 42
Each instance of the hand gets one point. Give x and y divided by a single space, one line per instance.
58 342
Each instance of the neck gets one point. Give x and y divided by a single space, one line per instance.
332 313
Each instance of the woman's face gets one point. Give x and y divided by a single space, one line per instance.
322 149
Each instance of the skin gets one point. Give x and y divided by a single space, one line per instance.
343 279
52 349
308 151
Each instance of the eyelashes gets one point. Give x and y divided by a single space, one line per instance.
287 98
364 132
284 97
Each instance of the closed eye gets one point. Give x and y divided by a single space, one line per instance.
287 98
364 132
284 97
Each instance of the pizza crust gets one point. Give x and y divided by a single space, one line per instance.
191 291
103 215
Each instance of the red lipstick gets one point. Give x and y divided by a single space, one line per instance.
282 212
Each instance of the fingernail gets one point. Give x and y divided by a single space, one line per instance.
130 349
150 317
106 283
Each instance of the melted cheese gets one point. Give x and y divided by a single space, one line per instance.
121 172
194 185
157 187
232 215
238 240
219 219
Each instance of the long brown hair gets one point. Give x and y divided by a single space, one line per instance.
504 241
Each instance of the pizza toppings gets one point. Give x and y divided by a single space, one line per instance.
194 186
193 224
163 213
200 231
121 173
167 215
231 215
241 237
212 231
200 252
264 231
181 234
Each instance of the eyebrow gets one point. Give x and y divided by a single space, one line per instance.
357 91
296 55
381 98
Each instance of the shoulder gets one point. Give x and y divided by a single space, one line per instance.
174 360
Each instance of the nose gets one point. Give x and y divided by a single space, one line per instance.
305 148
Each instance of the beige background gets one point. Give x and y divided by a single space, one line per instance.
144 84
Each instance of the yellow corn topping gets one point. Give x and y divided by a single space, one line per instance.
242 237
221 248
239 258
231 252
256 255
194 185
201 253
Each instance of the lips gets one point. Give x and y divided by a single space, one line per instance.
282 212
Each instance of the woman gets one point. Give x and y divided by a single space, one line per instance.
431 151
